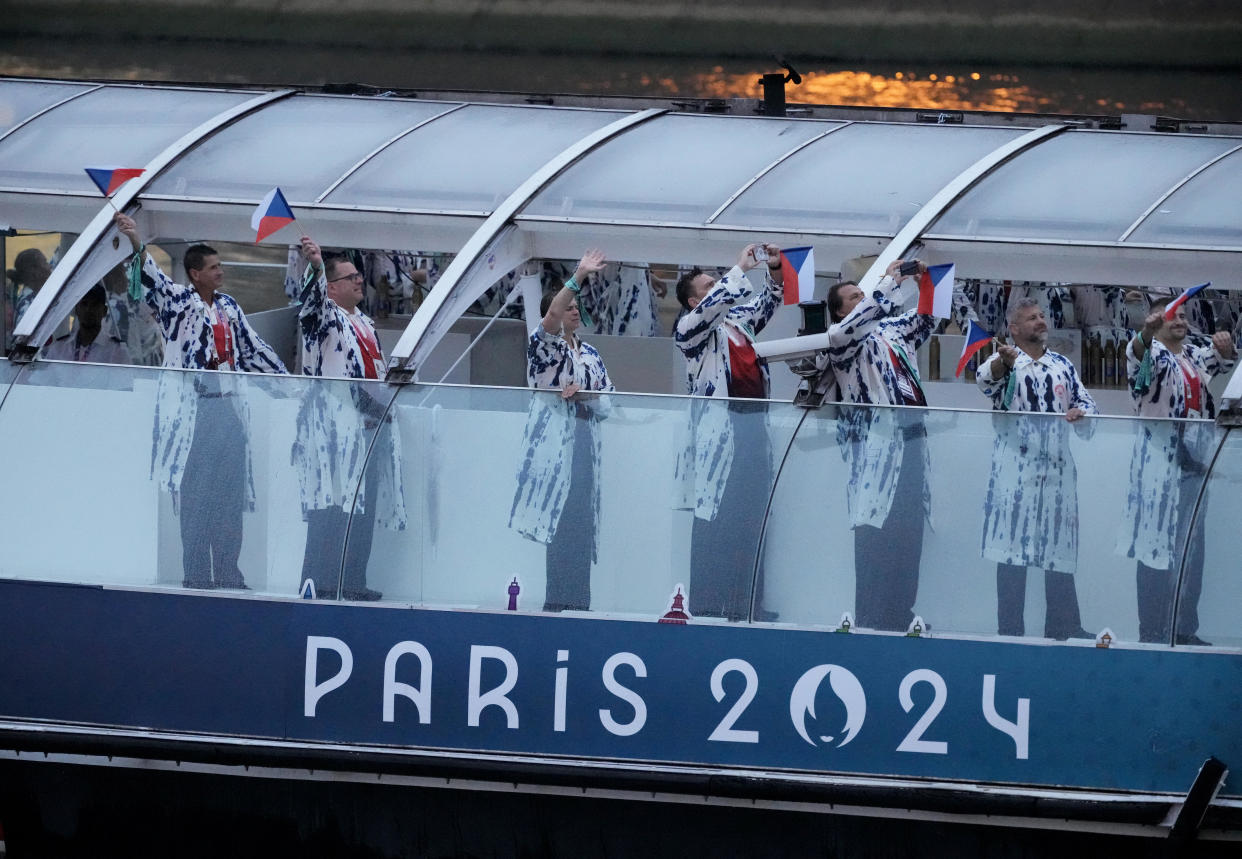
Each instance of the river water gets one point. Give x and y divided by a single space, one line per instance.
1196 95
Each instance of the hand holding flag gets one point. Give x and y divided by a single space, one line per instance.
272 214
976 338
1172 306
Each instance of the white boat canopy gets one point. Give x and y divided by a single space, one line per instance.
499 182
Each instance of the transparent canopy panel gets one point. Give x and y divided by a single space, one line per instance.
469 160
116 126
1077 186
672 169
301 145
20 100
1204 211
867 178
8 372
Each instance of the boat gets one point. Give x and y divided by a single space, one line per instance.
455 688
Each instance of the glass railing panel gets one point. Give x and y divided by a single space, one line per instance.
1208 601
499 487
144 477
1012 497
8 372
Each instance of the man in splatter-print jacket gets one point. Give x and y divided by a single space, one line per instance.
557 499
1169 378
1030 515
872 353
336 423
716 335
200 449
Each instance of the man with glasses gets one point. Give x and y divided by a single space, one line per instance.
335 425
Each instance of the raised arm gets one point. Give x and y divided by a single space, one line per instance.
731 290
992 377
846 338
591 262
314 292
159 290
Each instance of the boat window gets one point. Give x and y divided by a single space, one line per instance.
30 256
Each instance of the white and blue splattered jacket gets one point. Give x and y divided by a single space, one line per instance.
337 420
1030 514
706 456
545 472
329 340
190 344
873 440
1165 450
621 302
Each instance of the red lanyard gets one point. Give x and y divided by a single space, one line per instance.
223 335
370 349
1193 394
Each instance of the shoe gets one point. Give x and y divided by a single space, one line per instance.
238 585
1075 633
362 595
766 615
198 584
1192 640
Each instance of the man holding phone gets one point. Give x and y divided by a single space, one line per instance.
716 335
871 353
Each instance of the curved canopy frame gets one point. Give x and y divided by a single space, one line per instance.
88 259
517 225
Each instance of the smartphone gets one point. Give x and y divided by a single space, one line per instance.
760 253
909 267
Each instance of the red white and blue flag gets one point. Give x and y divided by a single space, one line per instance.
108 179
798 270
976 339
1172 306
272 214
936 291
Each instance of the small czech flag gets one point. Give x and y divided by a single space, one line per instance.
936 291
798 270
108 179
1172 306
272 214
976 339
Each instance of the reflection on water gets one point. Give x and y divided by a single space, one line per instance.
970 91
1184 94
